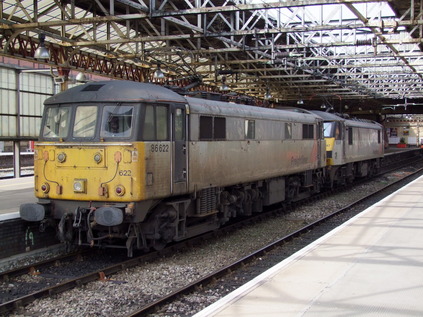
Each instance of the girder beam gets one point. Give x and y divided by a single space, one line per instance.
283 44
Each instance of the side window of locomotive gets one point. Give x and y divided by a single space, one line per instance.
56 122
212 128
85 122
155 126
219 128
149 123
250 129
308 131
350 135
206 128
161 123
179 125
288 130
117 121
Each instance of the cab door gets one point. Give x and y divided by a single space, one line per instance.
179 138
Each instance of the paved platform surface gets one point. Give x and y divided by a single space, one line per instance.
14 192
370 266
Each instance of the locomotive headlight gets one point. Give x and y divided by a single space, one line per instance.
45 188
79 185
120 190
98 158
61 157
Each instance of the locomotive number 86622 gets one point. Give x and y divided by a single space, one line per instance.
136 166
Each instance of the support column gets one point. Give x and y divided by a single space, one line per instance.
16 159
16 143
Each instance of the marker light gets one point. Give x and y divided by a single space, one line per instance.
98 158
45 188
120 190
61 157
79 185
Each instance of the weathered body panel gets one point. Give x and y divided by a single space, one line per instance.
235 162
158 170
367 144
238 160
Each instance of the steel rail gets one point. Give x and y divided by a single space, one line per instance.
31 268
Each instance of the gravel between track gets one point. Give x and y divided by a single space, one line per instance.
126 291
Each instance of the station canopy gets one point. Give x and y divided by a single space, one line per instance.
353 56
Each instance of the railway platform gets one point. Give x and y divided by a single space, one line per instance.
370 266
13 193
18 236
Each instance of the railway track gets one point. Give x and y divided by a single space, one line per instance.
308 233
105 272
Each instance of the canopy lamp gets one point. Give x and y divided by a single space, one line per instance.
267 95
158 73
224 87
42 52
81 78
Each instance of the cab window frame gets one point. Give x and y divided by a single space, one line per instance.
92 124
124 114
57 133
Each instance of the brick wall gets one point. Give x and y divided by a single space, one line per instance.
18 236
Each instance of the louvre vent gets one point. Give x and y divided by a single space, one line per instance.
208 200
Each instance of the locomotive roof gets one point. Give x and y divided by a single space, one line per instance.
116 91
219 108
327 116
129 91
